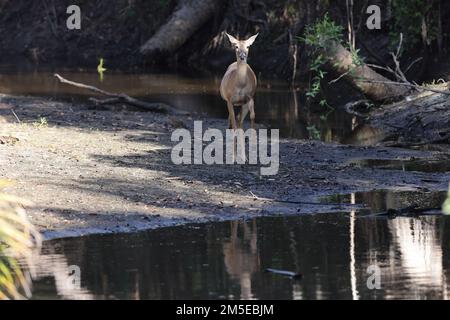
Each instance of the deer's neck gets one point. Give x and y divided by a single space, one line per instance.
242 72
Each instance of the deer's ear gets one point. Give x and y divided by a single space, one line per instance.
232 39
250 40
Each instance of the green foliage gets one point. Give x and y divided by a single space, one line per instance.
322 33
357 59
318 38
409 16
446 205
314 133
101 69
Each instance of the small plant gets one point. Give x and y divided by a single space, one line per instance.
446 205
41 122
314 133
318 38
324 103
357 59
320 35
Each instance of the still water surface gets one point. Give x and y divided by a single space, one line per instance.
277 106
228 260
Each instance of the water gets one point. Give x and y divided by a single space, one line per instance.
379 201
228 260
277 106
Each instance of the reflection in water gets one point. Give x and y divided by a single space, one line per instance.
355 294
227 260
364 135
277 106
421 253
56 267
241 256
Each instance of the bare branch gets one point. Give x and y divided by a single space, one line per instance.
381 68
340 77
399 48
84 86
121 97
15 116
410 85
399 74
413 63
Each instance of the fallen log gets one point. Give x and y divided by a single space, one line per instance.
367 80
184 22
422 119
121 98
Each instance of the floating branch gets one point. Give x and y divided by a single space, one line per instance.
290 274
121 98
255 197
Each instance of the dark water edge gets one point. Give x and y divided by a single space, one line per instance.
417 165
227 260
277 105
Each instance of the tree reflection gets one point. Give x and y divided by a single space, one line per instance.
227 260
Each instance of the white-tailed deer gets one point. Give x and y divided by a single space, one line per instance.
239 84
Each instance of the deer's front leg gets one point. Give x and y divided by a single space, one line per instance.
232 123
231 116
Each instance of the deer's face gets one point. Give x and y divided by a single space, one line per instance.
241 47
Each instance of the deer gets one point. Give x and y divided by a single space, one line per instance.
239 83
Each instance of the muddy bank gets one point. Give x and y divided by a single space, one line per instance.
101 170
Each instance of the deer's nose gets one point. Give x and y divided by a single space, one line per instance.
242 55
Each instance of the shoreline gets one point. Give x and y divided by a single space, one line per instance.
114 173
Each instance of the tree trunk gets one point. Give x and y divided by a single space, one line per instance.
423 120
187 18
360 76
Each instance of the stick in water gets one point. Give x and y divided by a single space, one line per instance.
121 97
290 274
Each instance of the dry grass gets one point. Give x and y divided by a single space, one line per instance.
18 239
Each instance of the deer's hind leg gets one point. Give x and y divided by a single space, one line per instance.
251 108
241 138
242 115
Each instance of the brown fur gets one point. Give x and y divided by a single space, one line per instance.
238 93
239 83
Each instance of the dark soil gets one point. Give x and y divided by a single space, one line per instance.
101 170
